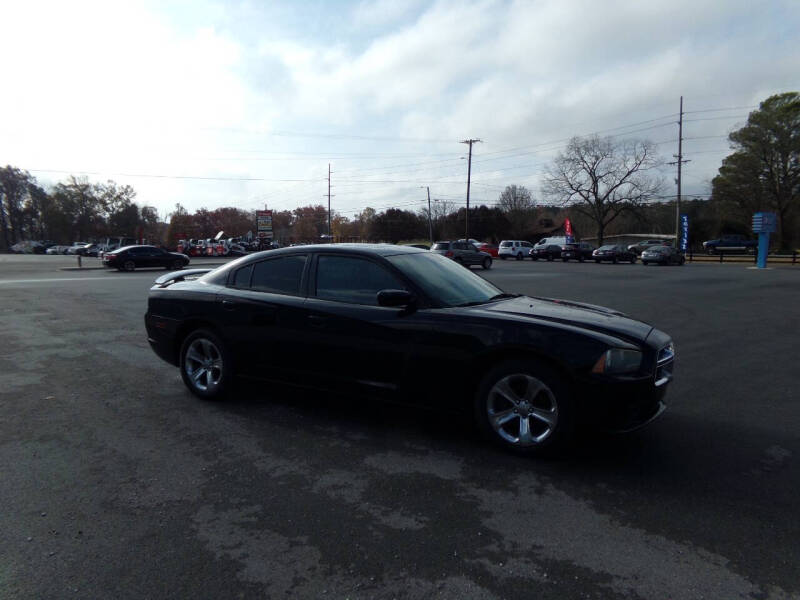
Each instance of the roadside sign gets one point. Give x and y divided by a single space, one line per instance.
264 223
684 232
568 231
765 222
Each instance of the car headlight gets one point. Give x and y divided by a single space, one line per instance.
618 361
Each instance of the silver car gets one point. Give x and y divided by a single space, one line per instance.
463 253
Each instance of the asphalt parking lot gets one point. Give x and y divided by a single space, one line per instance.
116 483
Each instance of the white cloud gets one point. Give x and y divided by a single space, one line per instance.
126 88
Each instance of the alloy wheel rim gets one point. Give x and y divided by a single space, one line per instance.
203 364
522 410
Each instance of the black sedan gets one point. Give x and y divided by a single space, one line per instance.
129 258
663 255
400 323
614 254
547 252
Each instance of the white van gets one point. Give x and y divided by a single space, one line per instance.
558 241
513 249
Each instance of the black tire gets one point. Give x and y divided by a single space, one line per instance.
552 401
519 256
177 265
549 258
581 259
614 260
129 265
534 258
683 260
458 260
645 263
487 263
633 260
565 259
220 374
597 260
503 257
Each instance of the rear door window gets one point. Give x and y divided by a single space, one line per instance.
280 275
441 246
241 279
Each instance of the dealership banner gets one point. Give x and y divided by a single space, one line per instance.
264 223
568 230
684 232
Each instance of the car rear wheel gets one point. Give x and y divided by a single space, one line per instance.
633 260
519 256
502 257
683 260
614 260
177 265
565 259
206 367
487 263
129 265
645 263
524 407
597 260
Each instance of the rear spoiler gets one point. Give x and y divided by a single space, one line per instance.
175 276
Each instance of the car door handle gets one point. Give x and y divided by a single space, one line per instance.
228 304
317 321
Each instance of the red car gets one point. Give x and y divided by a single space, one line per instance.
489 248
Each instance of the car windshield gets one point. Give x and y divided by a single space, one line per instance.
506 244
606 247
441 246
446 282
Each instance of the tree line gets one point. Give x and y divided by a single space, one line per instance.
605 186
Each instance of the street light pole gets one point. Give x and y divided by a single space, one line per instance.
469 175
430 223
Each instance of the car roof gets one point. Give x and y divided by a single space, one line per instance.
374 249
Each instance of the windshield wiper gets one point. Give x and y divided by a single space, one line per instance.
496 297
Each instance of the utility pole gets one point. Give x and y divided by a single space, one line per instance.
679 162
330 239
430 223
469 175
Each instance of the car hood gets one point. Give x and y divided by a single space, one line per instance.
596 318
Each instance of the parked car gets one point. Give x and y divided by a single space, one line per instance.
490 249
56 250
76 246
472 241
514 249
389 322
546 251
88 250
139 257
614 253
663 255
463 253
730 243
639 247
580 251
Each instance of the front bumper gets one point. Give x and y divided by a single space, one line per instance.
621 407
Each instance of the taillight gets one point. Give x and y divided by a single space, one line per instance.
449 254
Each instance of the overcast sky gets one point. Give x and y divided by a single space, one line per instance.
215 104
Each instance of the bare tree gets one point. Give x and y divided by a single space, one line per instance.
515 198
602 178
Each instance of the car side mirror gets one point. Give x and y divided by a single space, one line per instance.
394 298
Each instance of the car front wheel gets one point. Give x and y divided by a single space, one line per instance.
177 265
524 407
487 263
206 367
129 265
